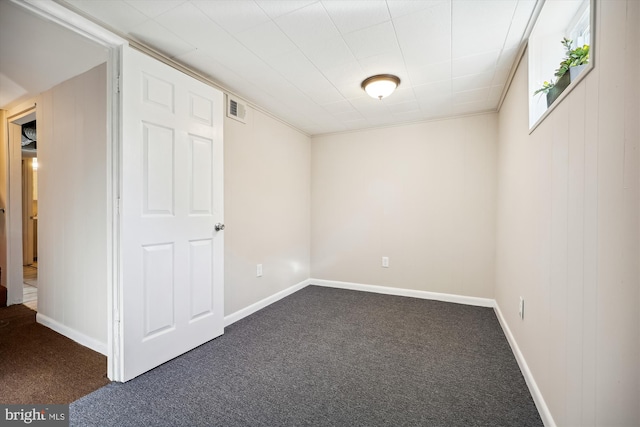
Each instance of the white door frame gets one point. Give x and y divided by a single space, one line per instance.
13 214
57 13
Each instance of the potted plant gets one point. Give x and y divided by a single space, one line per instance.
575 60
552 90
571 66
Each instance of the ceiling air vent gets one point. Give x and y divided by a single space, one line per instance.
236 110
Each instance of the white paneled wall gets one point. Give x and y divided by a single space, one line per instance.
72 232
567 238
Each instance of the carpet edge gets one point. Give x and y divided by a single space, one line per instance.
458 299
257 306
538 399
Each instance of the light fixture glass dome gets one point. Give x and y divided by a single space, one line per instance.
381 85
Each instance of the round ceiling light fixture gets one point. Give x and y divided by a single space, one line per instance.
381 85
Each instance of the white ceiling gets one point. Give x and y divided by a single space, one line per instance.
36 55
304 60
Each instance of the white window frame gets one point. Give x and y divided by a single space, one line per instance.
572 19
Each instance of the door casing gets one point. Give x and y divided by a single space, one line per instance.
13 213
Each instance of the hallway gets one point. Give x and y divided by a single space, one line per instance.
30 286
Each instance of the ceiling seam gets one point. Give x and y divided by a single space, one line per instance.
322 73
404 62
334 86
273 20
260 58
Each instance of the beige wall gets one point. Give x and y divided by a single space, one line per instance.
422 195
567 238
266 208
72 167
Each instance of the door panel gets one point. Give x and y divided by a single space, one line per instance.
201 274
159 169
201 169
158 303
172 257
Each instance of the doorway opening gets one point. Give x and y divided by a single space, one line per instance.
23 219
30 324
29 153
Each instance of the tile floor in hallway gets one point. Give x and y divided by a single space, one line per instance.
30 286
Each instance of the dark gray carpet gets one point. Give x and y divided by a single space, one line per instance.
329 357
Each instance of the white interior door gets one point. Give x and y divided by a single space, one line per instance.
171 199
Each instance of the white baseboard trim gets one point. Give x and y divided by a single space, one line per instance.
459 299
241 314
543 409
70 333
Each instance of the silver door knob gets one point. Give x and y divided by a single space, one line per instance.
219 227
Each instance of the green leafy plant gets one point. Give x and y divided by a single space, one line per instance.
546 87
573 58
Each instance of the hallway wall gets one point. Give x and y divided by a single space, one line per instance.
72 168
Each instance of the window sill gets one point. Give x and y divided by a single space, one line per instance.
562 96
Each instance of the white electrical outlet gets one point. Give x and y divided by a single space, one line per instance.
521 308
385 261
259 270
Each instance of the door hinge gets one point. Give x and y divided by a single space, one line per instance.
118 206
118 84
